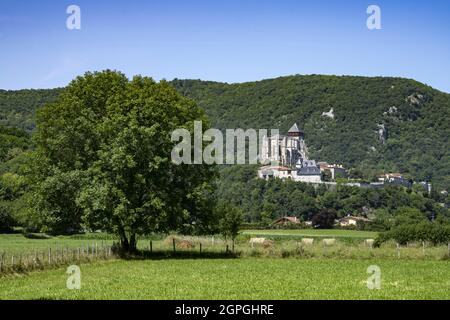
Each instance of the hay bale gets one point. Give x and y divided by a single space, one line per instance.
369 242
259 241
185 244
308 241
169 240
328 242
268 243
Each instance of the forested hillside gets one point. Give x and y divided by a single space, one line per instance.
373 124
17 108
367 124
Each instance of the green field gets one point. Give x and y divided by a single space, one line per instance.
326 233
282 271
246 278
17 243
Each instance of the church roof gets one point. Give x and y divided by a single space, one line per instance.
309 171
294 129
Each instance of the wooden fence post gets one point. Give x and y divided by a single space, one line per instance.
398 251
173 242
200 247
49 255
151 246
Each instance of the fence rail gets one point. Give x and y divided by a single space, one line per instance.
52 257
14 262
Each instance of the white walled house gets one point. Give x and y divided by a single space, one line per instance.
351 221
334 169
310 173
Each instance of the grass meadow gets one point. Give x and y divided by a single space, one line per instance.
287 269
245 278
17 243
312 233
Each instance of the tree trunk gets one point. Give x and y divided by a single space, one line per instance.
127 245
124 244
133 243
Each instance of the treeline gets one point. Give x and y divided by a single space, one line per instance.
378 124
264 201
434 233
410 225
14 147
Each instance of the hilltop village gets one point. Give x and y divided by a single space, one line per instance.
286 157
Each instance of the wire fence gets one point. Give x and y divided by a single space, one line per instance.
53 257
40 259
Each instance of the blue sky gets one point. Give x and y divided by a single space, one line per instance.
230 41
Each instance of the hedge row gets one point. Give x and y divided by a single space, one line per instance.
428 232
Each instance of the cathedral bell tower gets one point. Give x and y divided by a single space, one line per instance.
295 146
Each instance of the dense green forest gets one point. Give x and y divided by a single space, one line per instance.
263 201
368 124
18 108
14 147
379 124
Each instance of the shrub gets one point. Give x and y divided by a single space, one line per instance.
40 236
424 231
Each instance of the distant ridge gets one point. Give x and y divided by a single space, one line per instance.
377 123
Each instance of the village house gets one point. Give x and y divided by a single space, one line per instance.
283 221
395 179
335 170
351 221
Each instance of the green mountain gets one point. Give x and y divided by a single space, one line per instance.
375 124
17 108
372 124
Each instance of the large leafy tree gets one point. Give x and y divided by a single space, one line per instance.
102 159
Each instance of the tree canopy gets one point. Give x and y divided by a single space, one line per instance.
102 159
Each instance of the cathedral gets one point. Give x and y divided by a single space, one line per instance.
289 150
287 157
